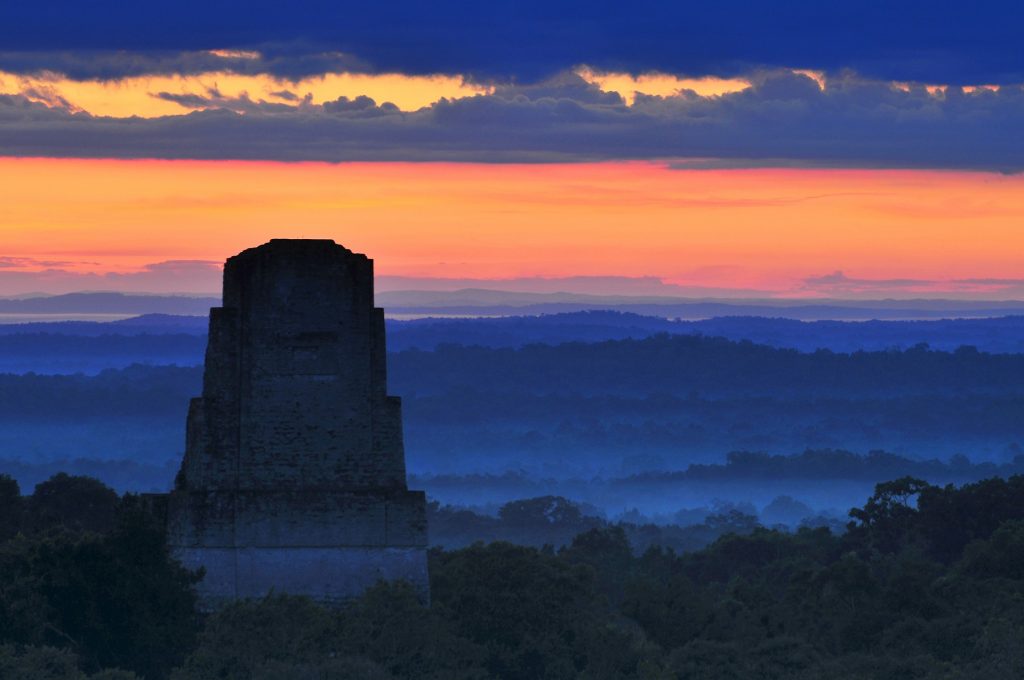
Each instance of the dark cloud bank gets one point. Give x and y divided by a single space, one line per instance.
914 40
102 64
784 118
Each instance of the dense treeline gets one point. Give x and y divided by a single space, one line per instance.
676 399
1000 334
136 391
832 464
122 475
925 583
677 364
606 432
662 364
164 391
89 347
56 353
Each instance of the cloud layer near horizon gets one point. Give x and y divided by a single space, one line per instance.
784 119
24 276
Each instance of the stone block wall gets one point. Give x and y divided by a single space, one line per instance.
295 448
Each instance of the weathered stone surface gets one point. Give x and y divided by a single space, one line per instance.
331 574
294 472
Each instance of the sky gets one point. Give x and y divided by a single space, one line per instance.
784 149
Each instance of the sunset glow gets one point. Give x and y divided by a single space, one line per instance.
165 95
153 96
660 84
761 229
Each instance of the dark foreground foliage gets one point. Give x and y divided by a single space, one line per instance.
926 583
86 584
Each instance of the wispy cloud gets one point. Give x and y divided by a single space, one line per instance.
19 275
24 275
580 285
838 284
31 263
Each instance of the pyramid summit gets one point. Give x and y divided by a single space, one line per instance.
293 478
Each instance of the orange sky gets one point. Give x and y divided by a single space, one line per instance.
734 228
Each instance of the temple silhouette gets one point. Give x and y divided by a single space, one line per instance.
293 478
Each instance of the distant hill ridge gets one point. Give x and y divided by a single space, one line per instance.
89 347
999 334
145 324
109 303
485 302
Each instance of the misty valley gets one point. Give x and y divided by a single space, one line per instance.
609 496
610 410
